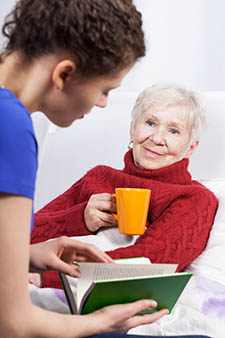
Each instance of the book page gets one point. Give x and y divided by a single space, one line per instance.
133 260
91 272
100 271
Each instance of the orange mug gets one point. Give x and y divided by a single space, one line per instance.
132 210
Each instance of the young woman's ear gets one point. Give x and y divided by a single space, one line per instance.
62 73
191 149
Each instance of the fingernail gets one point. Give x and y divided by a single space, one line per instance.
152 303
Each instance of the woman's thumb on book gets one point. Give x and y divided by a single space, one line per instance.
151 303
144 304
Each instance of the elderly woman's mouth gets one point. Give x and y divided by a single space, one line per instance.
152 153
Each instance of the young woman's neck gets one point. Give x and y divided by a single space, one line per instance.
27 82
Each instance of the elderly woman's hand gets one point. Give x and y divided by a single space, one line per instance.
97 213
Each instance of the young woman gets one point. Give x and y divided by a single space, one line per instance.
61 57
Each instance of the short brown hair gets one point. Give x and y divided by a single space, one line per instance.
101 36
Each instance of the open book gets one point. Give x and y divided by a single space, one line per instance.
106 284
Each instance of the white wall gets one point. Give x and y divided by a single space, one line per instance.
186 44
5 8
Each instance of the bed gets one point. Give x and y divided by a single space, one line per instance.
102 138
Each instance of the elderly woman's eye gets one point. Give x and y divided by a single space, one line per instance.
174 131
150 123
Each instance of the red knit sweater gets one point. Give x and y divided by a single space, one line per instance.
181 213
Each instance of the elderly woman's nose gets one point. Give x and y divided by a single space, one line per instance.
102 102
158 137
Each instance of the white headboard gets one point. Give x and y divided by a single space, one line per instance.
102 138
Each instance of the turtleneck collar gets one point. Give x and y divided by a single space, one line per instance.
176 173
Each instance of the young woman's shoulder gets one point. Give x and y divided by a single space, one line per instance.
18 152
13 112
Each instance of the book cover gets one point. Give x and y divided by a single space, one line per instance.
165 289
106 284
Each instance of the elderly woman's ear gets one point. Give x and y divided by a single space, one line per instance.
191 149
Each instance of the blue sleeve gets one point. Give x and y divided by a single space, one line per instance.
18 148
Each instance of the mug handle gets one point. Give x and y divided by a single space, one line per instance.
115 215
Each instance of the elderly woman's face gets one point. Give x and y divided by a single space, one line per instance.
161 138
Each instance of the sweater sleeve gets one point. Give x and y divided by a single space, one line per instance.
62 216
179 235
69 222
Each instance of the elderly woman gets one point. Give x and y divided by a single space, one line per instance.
167 122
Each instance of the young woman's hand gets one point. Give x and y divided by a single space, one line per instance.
62 253
97 213
122 317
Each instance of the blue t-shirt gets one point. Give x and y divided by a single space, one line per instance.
18 148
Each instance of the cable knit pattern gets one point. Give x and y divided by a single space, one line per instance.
181 212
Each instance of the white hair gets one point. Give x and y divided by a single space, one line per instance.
161 96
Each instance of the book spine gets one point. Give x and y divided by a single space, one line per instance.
64 281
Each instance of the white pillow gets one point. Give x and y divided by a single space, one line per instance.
216 185
211 262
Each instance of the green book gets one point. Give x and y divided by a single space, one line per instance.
106 284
